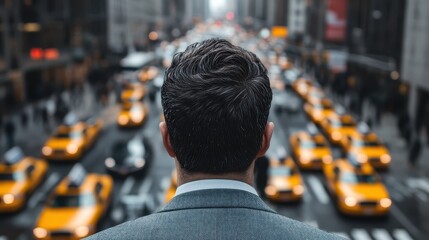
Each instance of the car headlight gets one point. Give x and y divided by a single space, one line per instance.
270 190
136 117
81 231
385 202
8 198
362 158
110 162
327 159
298 189
139 162
350 201
47 150
336 136
318 116
123 120
72 149
385 158
39 232
305 157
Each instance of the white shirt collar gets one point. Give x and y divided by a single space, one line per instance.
214 184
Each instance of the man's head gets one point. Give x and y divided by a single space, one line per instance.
216 99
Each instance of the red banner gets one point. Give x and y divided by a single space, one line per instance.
336 20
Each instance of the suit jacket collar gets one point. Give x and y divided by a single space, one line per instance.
216 198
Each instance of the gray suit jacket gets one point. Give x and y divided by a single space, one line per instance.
214 214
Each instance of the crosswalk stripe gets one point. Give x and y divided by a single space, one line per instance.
401 234
3 238
128 185
422 196
360 234
398 186
312 223
396 196
381 234
342 234
318 190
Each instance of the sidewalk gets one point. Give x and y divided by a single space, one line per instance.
29 138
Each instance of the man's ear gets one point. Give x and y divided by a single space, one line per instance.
266 139
166 139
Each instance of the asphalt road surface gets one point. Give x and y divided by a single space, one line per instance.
138 196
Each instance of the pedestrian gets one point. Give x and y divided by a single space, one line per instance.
414 150
214 136
24 118
45 117
261 174
9 129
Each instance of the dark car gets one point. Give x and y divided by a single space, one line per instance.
129 157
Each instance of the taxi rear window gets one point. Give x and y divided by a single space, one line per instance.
78 200
311 144
16 176
358 178
282 171
366 143
337 123
73 134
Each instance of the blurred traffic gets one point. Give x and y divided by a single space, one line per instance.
80 145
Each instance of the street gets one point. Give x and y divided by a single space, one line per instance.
137 196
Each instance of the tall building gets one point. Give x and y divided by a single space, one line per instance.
415 64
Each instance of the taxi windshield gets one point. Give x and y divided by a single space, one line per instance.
73 134
323 106
281 171
312 144
15 176
78 200
365 143
338 123
358 178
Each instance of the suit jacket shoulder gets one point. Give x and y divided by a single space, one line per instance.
215 214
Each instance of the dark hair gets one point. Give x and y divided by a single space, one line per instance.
216 99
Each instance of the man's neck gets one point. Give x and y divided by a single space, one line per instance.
183 177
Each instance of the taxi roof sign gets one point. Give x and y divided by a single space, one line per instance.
363 128
340 110
76 175
13 156
279 31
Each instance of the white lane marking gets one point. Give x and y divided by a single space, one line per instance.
401 234
41 194
422 196
165 183
396 196
318 190
127 186
342 234
418 184
381 234
360 234
144 188
398 186
306 195
404 221
312 223
3 238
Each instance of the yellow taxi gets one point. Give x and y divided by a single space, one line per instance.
338 127
302 86
315 95
132 114
367 148
357 188
171 191
19 177
133 92
284 181
148 73
75 207
72 139
319 111
285 63
310 151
